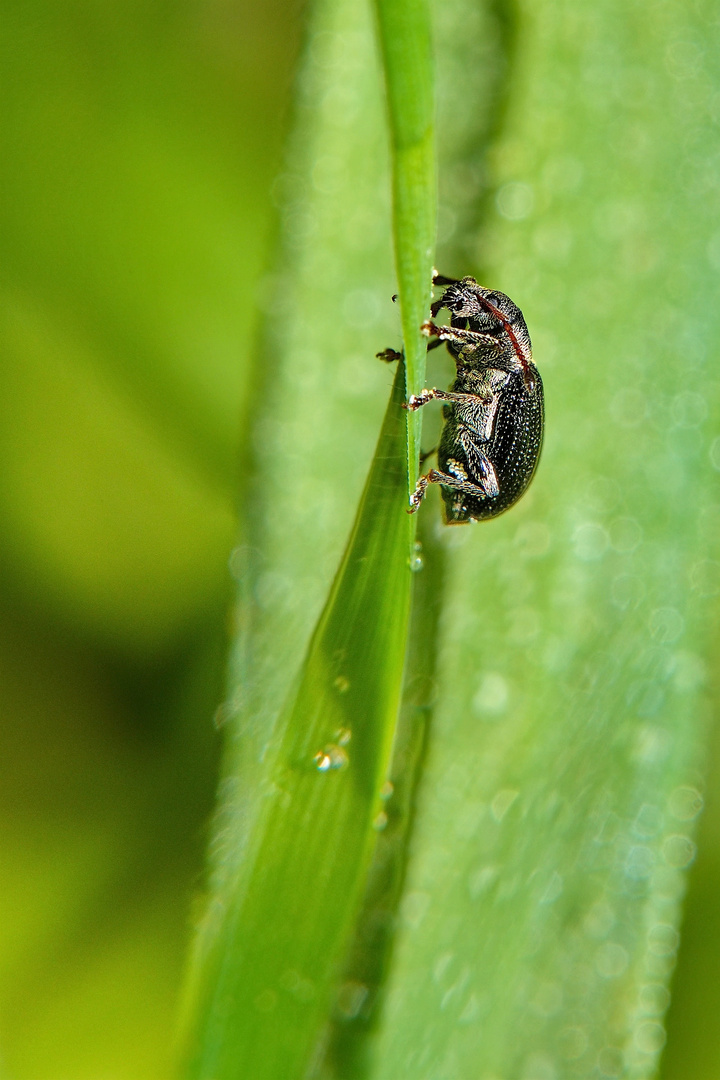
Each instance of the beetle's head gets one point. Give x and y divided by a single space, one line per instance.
467 300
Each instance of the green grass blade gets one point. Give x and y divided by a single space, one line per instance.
407 53
278 959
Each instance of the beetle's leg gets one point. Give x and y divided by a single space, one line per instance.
440 279
480 465
389 355
464 399
445 480
419 493
416 401
458 336
428 453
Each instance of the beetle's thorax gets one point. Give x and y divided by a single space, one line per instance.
490 312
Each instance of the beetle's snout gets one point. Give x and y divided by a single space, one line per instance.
460 303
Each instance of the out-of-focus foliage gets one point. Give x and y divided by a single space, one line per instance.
139 145
578 633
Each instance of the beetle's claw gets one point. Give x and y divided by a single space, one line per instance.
389 355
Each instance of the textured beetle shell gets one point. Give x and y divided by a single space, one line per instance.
513 448
504 424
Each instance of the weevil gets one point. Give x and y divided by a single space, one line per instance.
494 411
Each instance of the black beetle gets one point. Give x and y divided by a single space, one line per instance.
493 431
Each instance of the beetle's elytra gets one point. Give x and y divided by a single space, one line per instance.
494 411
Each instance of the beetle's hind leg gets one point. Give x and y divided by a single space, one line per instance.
445 480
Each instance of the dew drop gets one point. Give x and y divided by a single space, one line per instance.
332 757
685 803
610 1062
654 998
648 821
666 625
417 562
625 535
639 863
649 1037
663 939
679 851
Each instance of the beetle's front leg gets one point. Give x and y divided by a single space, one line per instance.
440 279
417 401
458 336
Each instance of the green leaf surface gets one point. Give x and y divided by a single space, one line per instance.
539 924
408 63
287 928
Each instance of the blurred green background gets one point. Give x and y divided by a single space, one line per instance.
140 143
139 146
